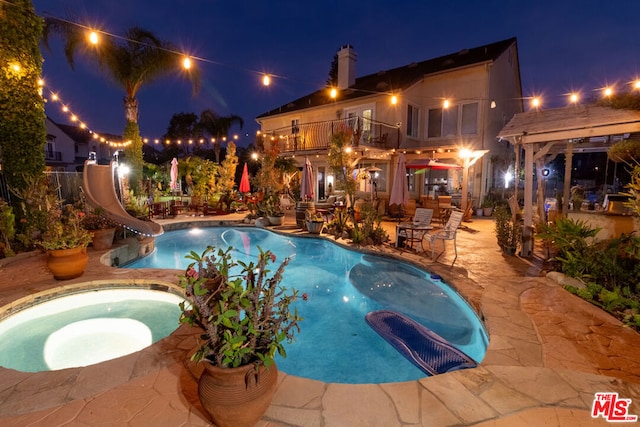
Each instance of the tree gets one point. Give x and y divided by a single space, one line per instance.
226 176
132 61
217 127
182 127
22 118
333 72
341 163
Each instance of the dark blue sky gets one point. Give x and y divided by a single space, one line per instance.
563 46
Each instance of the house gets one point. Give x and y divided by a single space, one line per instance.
67 147
427 110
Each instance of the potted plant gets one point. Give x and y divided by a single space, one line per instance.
65 241
314 221
273 210
508 232
245 317
102 229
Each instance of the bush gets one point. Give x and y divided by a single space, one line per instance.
611 268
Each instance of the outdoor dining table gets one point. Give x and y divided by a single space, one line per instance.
410 230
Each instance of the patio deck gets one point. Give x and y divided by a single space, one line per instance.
549 353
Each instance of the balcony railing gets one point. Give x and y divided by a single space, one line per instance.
53 155
317 135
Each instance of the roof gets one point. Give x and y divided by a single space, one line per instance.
80 135
399 78
572 122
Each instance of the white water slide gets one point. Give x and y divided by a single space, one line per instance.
100 191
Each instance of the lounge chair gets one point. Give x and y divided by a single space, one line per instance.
449 232
420 345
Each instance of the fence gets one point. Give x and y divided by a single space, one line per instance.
68 186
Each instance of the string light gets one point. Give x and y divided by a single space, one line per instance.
94 39
53 97
574 97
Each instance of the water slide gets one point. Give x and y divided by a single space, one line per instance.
100 191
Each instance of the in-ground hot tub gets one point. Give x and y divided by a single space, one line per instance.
85 325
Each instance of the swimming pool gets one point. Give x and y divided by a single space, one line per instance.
341 286
85 327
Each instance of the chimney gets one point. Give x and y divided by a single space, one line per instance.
346 67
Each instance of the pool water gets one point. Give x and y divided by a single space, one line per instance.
85 328
341 286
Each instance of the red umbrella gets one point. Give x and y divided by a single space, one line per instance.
244 181
430 164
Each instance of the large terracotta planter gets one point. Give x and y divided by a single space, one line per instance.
102 239
237 397
67 263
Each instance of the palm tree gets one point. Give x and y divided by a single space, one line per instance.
132 61
217 127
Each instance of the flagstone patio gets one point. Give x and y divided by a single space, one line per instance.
549 353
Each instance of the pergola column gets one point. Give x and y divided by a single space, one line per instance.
527 232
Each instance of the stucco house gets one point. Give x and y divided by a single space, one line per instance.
427 110
68 147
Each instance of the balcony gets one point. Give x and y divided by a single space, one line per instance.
315 136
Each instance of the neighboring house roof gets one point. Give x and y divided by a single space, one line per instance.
399 78
572 122
83 135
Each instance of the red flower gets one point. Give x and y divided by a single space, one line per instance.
191 272
272 256
80 214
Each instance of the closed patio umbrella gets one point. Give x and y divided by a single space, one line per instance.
244 181
306 185
174 174
400 190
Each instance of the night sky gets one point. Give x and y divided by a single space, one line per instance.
563 46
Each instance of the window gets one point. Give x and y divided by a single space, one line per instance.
413 118
367 115
469 124
453 121
450 121
295 126
435 123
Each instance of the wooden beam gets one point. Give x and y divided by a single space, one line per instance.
615 129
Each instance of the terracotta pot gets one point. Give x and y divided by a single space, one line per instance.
102 239
67 263
237 397
315 227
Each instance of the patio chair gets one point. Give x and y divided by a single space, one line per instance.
421 218
449 232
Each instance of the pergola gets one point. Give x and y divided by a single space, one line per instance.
577 128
